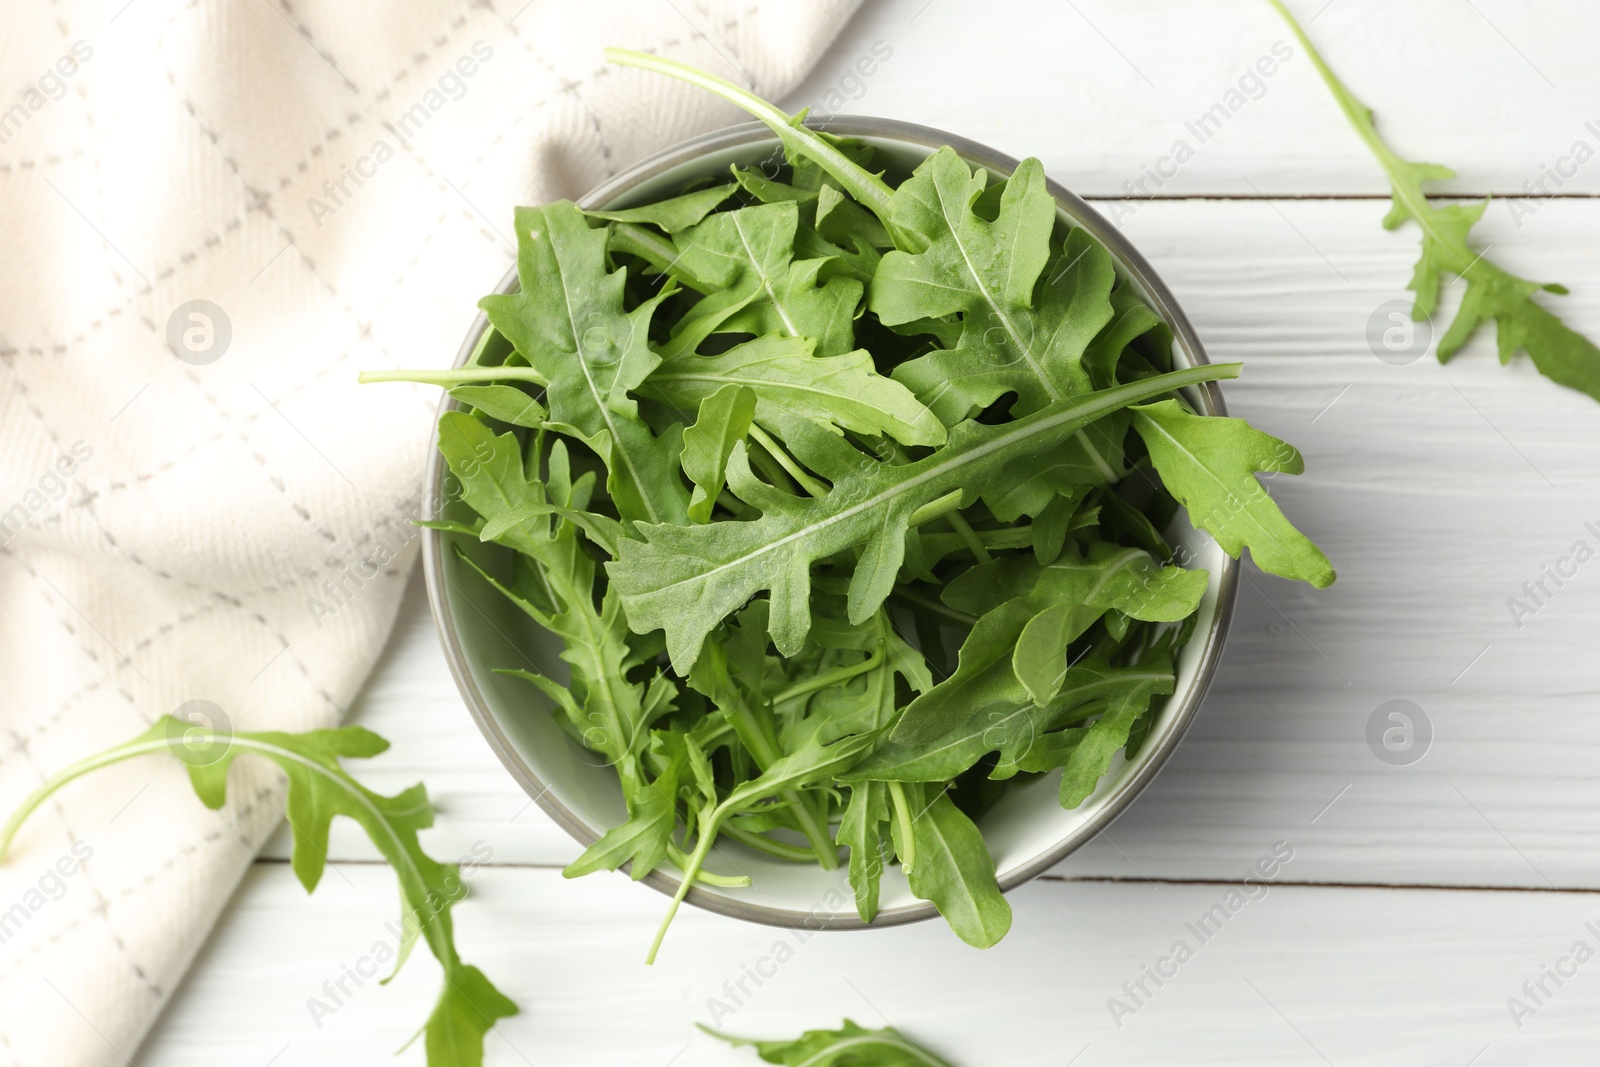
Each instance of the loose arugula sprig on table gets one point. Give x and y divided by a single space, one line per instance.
319 789
851 1045
1521 323
847 499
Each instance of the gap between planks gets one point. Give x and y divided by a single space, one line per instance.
1106 879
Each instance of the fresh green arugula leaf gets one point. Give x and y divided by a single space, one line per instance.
1209 464
866 188
954 870
831 224
674 214
753 724
610 713
861 831
1091 756
1029 615
796 770
506 403
319 790
1131 319
786 377
723 422
645 839
569 320
1560 353
1008 729
849 1046
685 580
746 257
987 272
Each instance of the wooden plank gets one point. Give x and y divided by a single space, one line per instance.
1427 485
1102 90
1276 981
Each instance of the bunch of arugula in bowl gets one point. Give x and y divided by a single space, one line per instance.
886 470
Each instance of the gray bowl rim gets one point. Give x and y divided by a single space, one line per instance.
1162 301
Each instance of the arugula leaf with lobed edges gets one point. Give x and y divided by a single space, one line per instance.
569 321
948 863
849 1046
950 260
675 213
319 790
1092 752
861 831
1208 463
1028 616
1493 295
988 272
610 713
723 422
746 259
1011 729
645 839
824 210
786 376
687 579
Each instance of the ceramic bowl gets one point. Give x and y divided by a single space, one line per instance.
1027 830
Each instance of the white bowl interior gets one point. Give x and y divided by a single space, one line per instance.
1026 824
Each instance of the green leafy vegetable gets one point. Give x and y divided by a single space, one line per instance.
675 213
320 789
888 462
745 259
568 319
987 272
724 420
685 579
952 868
1560 353
849 1046
1209 465
843 391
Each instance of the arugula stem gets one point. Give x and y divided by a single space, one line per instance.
968 536
738 507
77 770
1462 261
777 849
691 870
649 246
834 677
937 607
763 748
866 187
725 881
903 819
954 519
934 509
774 472
1359 114
454 376
779 453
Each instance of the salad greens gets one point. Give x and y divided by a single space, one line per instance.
1522 324
845 490
319 789
849 1046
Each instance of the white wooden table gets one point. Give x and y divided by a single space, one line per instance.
1420 897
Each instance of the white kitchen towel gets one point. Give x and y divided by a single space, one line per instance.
213 213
